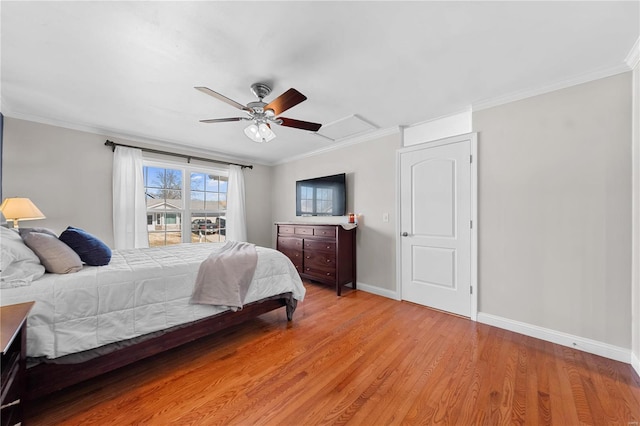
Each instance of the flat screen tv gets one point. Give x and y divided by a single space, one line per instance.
322 196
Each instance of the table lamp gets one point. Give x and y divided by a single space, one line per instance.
17 209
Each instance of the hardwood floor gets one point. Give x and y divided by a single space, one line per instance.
357 359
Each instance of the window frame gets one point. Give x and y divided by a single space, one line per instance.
186 170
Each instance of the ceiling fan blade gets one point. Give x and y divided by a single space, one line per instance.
299 124
222 98
223 120
287 100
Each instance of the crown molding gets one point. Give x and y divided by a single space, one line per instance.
633 57
117 134
342 143
467 109
528 93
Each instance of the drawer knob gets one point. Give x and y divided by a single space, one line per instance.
308 257
328 247
328 273
328 260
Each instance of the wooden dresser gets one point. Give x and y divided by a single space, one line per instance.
13 331
323 253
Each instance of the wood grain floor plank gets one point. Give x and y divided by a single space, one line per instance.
538 384
373 402
334 375
413 373
561 398
359 359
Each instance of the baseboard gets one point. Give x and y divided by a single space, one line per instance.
587 345
378 291
635 363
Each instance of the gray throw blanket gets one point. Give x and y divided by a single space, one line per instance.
224 277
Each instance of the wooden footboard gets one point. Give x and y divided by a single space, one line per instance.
44 379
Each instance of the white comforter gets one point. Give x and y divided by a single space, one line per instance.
139 292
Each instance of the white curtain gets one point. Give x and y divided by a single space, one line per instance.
236 214
129 208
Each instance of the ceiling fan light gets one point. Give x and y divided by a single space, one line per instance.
265 132
252 133
259 133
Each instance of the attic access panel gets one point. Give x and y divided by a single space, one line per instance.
345 127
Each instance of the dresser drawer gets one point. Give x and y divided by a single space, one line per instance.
319 245
304 230
283 229
324 260
294 255
324 231
289 243
321 274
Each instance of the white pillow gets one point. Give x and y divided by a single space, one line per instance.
19 265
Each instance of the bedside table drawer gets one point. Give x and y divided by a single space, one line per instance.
11 415
13 339
10 371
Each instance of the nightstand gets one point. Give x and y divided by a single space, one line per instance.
13 339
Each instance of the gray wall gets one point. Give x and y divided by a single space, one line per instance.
555 210
370 167
258 196
67 174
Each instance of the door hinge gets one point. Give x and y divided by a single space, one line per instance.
471 224
470 290
471 158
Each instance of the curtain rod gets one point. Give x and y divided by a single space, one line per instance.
188 157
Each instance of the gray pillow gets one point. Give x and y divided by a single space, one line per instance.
56 256
25 231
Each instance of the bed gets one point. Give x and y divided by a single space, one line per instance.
104 317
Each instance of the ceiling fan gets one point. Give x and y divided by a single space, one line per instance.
261 114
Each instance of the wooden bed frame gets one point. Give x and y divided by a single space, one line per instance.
43 379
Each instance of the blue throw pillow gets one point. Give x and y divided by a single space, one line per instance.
91 250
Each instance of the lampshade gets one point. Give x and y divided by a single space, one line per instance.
16 209
259 133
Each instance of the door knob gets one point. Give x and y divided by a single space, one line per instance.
405 234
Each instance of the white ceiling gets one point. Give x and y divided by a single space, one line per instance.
129 68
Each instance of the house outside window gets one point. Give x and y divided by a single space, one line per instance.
172 217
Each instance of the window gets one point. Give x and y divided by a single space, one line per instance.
173 218
208 206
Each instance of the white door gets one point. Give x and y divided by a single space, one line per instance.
436 194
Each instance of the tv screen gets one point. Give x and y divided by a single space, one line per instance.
322 196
